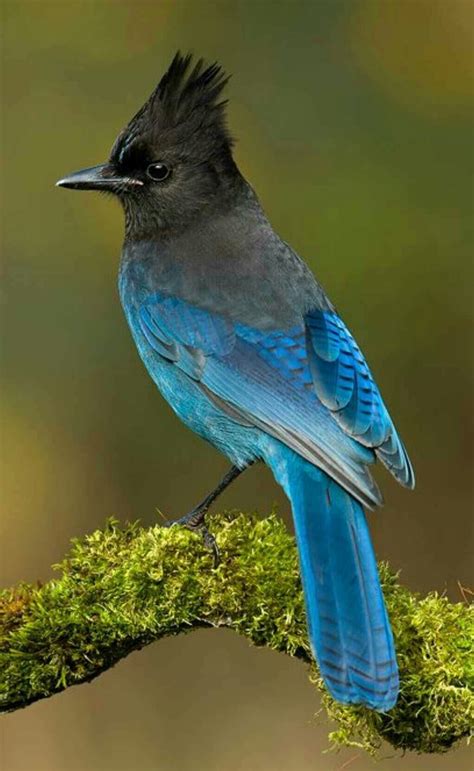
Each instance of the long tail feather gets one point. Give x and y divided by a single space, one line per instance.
348 625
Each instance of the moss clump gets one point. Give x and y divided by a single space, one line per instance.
435 649
120 589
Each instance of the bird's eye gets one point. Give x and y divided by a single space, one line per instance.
158 171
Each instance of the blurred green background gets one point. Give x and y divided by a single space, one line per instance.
355 127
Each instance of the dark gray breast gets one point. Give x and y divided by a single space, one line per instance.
233 264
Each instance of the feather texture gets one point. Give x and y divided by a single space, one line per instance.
264 377
348 626
345 385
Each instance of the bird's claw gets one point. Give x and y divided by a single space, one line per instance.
195 521
210 543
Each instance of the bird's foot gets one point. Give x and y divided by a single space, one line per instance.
195 521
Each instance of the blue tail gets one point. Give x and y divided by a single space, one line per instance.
348 625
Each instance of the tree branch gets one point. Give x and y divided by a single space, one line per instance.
120 589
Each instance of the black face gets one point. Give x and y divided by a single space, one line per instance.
173 160
137 161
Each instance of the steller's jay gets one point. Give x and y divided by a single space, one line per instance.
250 353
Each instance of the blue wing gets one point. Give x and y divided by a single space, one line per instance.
345 385
264 378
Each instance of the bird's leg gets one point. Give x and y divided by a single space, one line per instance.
195 519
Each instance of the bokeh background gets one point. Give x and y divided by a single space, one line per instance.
355 127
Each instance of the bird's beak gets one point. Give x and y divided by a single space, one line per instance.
102 177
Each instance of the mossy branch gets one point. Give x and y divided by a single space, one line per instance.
120 589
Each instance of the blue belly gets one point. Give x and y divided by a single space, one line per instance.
242 444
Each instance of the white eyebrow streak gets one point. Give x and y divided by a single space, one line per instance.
128 142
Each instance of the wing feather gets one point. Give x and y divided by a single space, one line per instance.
263 379
345 385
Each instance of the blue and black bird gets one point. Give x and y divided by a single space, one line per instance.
251 354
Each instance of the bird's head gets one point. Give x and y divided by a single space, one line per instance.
174 158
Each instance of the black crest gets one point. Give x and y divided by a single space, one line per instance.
184 107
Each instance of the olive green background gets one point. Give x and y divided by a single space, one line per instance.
354 122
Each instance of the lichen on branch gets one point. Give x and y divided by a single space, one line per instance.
122 588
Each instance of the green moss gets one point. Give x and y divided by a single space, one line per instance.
435 649
120 589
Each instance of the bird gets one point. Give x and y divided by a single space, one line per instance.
251 354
